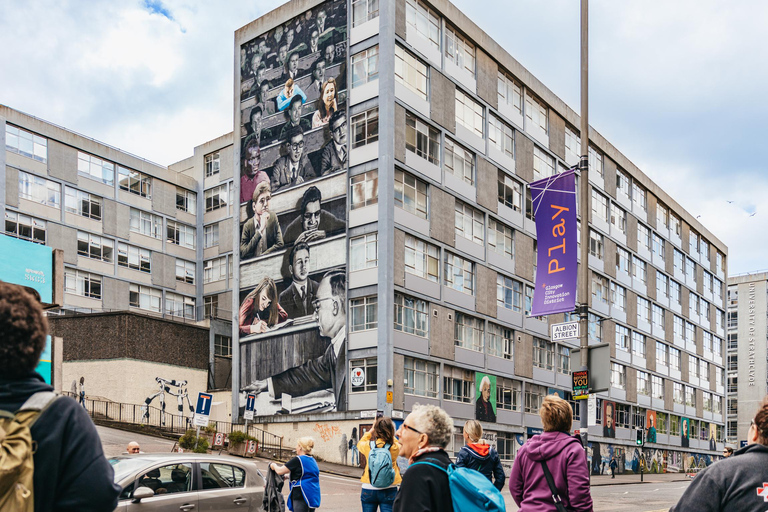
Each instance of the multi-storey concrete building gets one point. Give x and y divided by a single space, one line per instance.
747 384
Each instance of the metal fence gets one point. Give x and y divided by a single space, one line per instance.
103 410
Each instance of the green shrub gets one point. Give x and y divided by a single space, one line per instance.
189 439
237 437
210 429
202 446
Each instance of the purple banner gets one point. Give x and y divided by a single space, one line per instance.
554 205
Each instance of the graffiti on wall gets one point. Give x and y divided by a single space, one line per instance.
292 197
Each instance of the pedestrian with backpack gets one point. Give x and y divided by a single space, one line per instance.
477 454
550 470
381 476
67 471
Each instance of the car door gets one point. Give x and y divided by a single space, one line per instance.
172 484
222 488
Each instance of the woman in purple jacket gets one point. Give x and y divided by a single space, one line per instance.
564 457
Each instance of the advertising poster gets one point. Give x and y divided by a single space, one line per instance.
684 432
485 401
650 424
712 436
609 419
554 203
292 202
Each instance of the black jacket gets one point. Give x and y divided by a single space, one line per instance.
71 472
424 487
273 497
730 484
485 459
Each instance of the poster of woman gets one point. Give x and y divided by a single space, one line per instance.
485 403
712 436
684 432
650 424
609 419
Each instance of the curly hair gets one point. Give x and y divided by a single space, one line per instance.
761 422
433 421
24 329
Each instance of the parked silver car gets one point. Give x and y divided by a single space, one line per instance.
187 482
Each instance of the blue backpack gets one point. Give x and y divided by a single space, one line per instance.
471 491
380 470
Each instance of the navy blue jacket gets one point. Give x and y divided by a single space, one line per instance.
485 459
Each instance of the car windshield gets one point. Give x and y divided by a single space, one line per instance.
126 466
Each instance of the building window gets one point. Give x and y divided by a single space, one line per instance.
543 354
595 326
26 143
144 297
510 92
212 163
662 286
364 313
643 384
599 205
595 161
623 415
459 50
509 293
421 377
95 247
674 224
422 259
690 268
146 224
596 244
82 203
704 371
674 292
657 387
422 139
363 251
95 168
134 182
510 192
215 270
365 66
619 220
500 341
186 200
536 114
459 273
639 196
690 396
533 397
365 128
369 367
468 332
638 344
364 10
677 393
572 145
640 269
599 289
543 164
501 136
179 305
423 21
619 296
662 216
211 235
507 394
216 198
82 283
411 194
185 271
133 257
411 315
469 223
411 72
180 234
222 345
657 316
501 238
658 246
459 162
469 113
622 338
564 359
39 190
674 358
364 189
618 376
643 310
25 227
211 306
622 183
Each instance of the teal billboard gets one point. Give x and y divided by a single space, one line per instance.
27 264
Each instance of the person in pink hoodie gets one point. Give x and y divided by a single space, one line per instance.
565 458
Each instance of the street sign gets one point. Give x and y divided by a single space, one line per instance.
599 366
357 378
580 385
565 331
389 397
218 440
250 405
368 414
203 409
592 410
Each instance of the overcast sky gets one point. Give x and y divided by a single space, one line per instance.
678 87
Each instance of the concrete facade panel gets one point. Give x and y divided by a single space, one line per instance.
651 281
163 270
609 258
400 131
524 355
524 157
63 237
485 303
442 100
487 78
651 206
123 226
557 134
487 185
400 18
632 232
609 178
441 335
225 237
164 197
441 219
11 186
62 161
524 256
399 258
631 385
631 308
226 163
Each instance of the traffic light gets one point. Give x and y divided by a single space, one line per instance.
639 438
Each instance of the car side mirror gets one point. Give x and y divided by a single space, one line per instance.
141 493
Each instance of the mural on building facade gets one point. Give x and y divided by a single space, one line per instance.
609 419
485 401
293 195
650 425
685 432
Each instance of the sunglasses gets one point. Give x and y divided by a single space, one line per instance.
408 427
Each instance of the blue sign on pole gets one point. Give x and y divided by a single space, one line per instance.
203 407
250 403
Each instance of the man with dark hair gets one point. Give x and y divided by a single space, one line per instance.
71 472
329 370
334 155
314 223
293 118
251 175
294 168
297 299
291 68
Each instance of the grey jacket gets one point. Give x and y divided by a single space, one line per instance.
730 484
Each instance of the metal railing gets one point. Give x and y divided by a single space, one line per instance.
105 411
